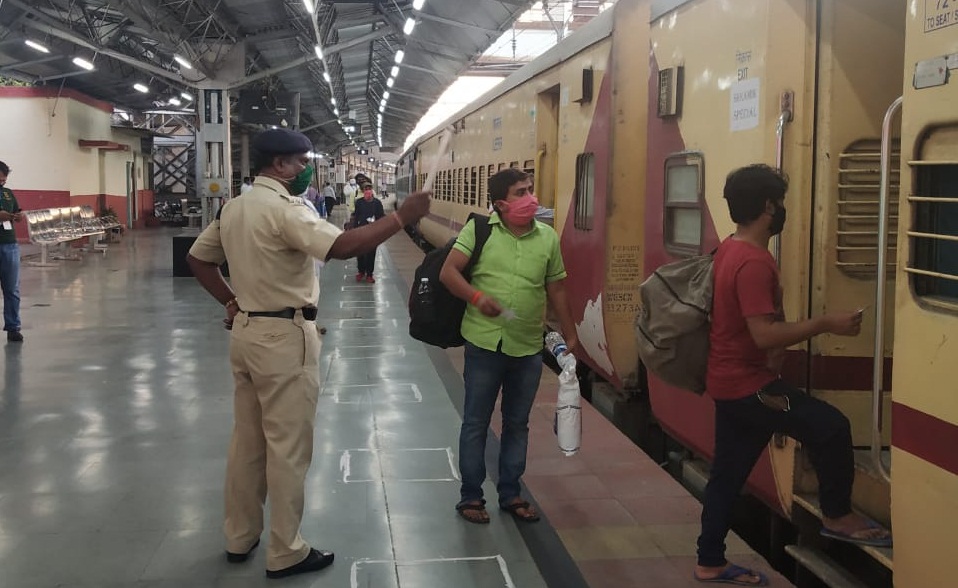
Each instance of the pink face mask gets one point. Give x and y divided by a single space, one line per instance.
368 195
520 212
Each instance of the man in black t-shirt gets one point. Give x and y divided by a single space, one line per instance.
368 209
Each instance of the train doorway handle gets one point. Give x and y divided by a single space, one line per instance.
784 117
878 361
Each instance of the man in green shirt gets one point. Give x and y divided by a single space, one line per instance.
519 269
9 258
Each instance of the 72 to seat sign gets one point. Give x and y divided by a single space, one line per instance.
940 14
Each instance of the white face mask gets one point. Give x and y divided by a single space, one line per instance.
352 182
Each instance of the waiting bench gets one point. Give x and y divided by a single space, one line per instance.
57 226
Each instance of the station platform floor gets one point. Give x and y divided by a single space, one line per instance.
115 421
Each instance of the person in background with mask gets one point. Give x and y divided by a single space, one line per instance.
270 239
368 210
520 268
748 338
9 258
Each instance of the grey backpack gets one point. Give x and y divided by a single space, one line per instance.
672 326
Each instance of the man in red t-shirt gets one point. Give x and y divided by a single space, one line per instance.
748 338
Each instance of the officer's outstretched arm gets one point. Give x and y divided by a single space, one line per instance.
366 238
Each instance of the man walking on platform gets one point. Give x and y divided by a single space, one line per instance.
368 210
9 258
270 239
520 267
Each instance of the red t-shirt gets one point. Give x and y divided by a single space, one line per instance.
746 284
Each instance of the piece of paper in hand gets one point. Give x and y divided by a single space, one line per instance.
440 155
7 225
568 419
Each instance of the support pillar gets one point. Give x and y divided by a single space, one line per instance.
244 155
214 168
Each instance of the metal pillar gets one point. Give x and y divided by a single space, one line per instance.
214 168
244 155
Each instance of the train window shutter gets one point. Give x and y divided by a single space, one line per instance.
584 191
682 214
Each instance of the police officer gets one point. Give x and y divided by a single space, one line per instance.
269 239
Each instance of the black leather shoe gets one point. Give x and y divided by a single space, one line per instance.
315 561
14 336
241 557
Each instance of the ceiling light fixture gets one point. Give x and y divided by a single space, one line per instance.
175 101
409 26
418 4
326 77
386 95
37 46
394 71
389 83
79 61
333 100
309 6
335 112
399 55
141 88
186 96
319 51
183 62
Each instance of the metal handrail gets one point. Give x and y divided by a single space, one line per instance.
784 117
878 362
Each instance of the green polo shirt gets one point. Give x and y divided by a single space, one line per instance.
514 271
8 202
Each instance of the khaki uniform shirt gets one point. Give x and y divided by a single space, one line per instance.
269 239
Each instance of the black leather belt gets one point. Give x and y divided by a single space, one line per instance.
309 313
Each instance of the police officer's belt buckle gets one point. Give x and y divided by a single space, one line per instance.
777 402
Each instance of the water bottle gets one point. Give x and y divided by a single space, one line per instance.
556 345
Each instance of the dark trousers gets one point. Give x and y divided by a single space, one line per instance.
367 262
743 429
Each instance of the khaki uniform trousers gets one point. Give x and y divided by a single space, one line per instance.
275 364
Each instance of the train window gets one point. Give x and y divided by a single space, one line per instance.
458 196
502 166
529 166
584 190
683 203
934 237
514 164
474 187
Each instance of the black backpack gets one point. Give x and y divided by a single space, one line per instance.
435 315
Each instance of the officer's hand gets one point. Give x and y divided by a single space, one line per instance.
414 207
488 306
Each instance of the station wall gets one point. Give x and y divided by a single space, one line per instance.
49 168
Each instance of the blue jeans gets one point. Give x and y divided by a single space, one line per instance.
10 283
484 374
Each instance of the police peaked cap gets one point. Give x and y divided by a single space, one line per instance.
282 142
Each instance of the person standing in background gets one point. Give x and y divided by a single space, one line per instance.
329 198
368 210
349 193
9 258
247 185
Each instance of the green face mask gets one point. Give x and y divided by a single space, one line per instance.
299 184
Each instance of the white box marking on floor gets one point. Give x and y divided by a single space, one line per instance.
350 323
363 304
345 464
354 570
413 393
399 350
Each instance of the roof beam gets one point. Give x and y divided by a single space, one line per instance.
49 26
31 62
456 23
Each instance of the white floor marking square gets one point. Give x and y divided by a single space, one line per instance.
354 572
373 393
349 456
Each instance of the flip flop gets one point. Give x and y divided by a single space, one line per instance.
513 509
729 575
466 507
839 536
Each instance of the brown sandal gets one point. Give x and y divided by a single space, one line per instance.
466 509
513 509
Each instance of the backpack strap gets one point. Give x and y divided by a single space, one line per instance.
483 231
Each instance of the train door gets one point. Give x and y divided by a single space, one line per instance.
547 146
859 75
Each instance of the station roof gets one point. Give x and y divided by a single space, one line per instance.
171 47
